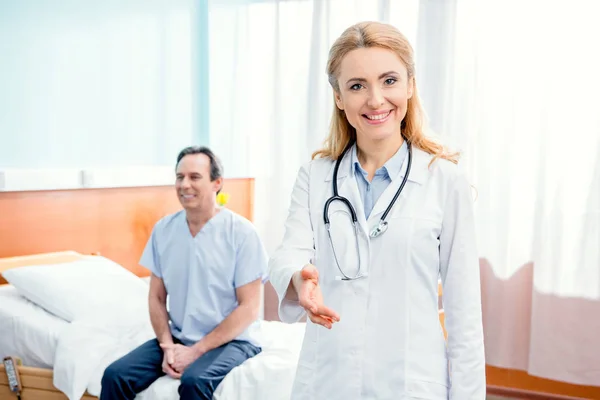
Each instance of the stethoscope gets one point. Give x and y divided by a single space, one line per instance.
381 227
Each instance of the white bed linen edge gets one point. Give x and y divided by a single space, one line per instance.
27 331
88 346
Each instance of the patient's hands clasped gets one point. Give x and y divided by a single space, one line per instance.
168 360
177 358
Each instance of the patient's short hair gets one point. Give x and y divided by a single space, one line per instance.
216 168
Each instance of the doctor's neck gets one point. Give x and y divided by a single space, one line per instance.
373 154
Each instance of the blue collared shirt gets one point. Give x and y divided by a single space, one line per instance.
201 273
371 191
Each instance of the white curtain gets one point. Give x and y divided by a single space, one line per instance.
96 84
520 97
514 85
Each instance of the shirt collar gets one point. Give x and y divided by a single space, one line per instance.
392 167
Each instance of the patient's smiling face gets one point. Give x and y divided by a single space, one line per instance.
194 188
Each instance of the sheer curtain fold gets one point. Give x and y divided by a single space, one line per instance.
522 88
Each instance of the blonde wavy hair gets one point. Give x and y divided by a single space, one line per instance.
341 133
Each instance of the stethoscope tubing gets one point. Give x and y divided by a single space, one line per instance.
379 230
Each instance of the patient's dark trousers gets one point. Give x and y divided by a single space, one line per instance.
136 371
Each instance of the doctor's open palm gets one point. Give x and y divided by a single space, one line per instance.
306 283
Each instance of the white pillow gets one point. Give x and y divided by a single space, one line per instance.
93 286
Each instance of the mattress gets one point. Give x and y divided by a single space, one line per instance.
27 330
31 333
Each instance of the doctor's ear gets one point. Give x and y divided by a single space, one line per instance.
338 100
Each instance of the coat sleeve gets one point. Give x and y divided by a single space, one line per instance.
296 249
462 294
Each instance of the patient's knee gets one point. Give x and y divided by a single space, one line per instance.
112 374
192 386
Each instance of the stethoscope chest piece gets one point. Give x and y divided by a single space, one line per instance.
379 229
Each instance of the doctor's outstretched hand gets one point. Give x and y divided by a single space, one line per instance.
306 284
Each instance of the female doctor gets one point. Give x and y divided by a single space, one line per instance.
376 218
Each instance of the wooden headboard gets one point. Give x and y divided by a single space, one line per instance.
114 222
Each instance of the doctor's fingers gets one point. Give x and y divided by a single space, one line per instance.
310 272
315 307
320 320
308 304
324 311
308 297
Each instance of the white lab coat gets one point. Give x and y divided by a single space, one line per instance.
389 343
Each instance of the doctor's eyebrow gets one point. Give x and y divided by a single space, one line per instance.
381 76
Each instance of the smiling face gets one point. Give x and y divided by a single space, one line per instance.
374 89
195 190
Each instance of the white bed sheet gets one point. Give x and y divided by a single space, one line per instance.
80 351
27 331
269 375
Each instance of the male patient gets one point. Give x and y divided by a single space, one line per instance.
211 264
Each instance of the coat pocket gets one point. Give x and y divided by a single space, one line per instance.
428 377
426 390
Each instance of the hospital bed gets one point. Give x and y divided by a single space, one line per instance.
62 359
72 355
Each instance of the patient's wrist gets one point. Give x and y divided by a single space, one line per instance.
199 348
165 339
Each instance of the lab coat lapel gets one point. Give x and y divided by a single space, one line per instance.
348 188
